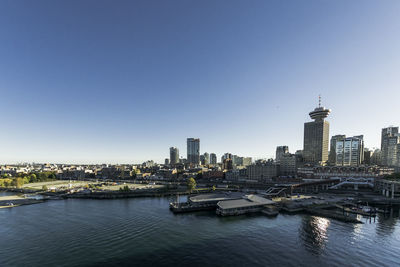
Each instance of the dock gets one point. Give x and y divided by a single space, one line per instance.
203 202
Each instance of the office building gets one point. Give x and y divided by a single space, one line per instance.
193 151
280 151
316 137
263 171
173 155
332 151
288 165
389 145
349 151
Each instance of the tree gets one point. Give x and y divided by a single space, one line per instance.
191 184
8 182
33 178
44 188
52 176
18 182
26 180
125 189
213 188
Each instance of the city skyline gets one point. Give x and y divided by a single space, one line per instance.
123 83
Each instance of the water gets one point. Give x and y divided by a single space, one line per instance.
143 232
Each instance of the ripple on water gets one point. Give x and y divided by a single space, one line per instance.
144 232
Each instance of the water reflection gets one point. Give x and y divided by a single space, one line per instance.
313 232
386 223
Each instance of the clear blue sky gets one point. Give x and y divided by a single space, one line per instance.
122 81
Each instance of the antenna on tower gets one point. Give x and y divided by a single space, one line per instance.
319 101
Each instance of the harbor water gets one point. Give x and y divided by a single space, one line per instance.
144 232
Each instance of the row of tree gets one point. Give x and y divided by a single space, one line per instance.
20 179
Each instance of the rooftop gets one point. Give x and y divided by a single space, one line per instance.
216 197
246 201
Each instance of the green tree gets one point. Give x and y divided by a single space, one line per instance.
18 182
191 184
8 182
33 178
213 188
125 189
44 188
42 177
26 180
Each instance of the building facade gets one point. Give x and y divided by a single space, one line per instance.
316 137
205 159
213 158
325 172
288 165
280 152
349 151
193 151
332 151
263 171
389 146
173 155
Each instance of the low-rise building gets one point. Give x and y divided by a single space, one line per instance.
323 172
288 165
263 171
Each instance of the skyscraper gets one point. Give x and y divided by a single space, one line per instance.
316 136
173 155
280 151
389 143
206 159
213 158
193 150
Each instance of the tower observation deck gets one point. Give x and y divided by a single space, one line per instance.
319 113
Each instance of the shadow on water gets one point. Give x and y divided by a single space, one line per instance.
313 232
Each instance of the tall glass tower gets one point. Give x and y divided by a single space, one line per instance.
193 151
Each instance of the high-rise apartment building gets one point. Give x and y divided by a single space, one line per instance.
316 137
173 155
213 158
389 145
280 152
349 151
226 156
193 150
206 159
